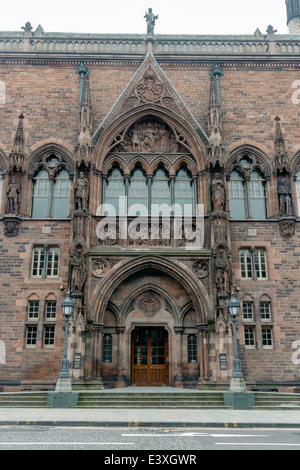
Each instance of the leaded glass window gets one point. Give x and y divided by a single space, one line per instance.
51 197
138 192
161 193
184 193
115 190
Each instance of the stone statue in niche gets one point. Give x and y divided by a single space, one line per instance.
81 192
218 193
149 137
13 197
285 199
221 268
78 272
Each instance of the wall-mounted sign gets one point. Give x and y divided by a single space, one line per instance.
223 361
77 361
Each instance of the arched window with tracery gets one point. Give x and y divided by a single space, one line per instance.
247 190
51 189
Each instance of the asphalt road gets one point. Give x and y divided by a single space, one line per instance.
160 446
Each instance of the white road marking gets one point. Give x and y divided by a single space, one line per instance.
66 443
194 434
277 444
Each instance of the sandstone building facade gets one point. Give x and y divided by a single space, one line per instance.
208 126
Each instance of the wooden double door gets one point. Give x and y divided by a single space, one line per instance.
150 357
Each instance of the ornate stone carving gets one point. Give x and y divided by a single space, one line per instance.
149 234
109 236
149 137
11 226
201 268
149 89
287 228
149 304
100 267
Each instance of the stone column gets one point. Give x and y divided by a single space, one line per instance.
98 333
202 355
121 356
178 356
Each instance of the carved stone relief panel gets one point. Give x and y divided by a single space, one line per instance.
149 137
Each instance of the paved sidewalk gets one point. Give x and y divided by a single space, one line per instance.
150 418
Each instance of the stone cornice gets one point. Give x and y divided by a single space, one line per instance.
115 60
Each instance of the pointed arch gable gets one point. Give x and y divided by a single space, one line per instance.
177 270
187 135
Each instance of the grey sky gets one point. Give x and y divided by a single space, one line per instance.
120 16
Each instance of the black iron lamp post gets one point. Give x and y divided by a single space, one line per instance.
64 380
237 383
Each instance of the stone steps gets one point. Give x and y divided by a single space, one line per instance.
23 400
151 400
273 401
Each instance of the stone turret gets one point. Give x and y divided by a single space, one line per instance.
293 16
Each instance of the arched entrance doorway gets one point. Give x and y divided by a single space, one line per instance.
149 356
151 307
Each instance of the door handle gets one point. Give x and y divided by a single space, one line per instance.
149 361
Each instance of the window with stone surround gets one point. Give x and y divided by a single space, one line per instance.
158 190
45 261
31 336
184 196
107 349
33 309
50 310
253 263
267 337
48 336
138 191
248 310
249 333
247 190
51 190
115 189
265 310
192 349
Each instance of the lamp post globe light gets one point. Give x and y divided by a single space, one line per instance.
64 380
237 383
